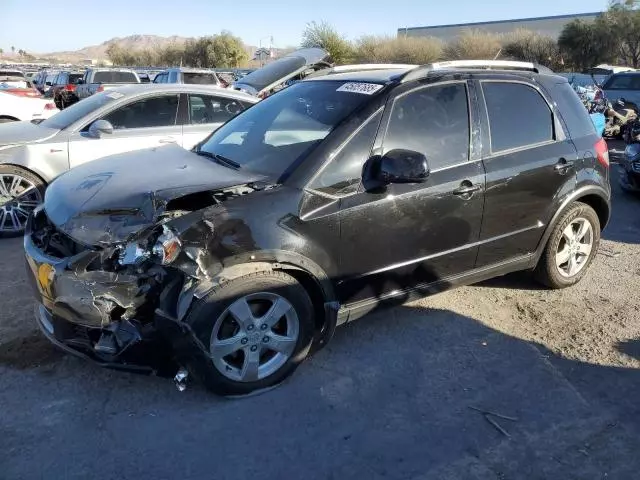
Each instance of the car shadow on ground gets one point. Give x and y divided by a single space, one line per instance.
390 397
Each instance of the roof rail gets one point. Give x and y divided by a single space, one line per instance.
361 68
424 70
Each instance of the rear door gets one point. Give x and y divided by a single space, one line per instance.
205 113
529 161
143 123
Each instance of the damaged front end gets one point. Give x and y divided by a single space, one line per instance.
119 303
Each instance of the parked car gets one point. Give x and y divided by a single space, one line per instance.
64 88
12 79
273 76
23 105
189 76
312 207
96 80
624 85
124 119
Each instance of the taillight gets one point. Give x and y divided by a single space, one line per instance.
23 92
602 152
100 89
70 88
50 106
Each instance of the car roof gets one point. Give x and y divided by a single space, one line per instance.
139 89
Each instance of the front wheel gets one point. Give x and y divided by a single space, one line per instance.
571 248
257 328
20 192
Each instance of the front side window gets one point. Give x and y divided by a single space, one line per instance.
433 121
146 113
518 116
204 109
275 136
343 174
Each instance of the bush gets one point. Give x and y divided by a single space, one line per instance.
414 50
530 46
473 45
323 35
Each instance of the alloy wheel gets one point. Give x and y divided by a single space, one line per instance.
254 337
574 248
18 198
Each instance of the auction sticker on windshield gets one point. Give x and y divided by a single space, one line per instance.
358 87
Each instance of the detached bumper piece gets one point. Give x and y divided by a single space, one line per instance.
123 345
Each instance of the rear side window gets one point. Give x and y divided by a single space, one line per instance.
518 116
572 111
205 109
623 82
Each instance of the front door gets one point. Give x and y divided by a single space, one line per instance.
413 235
529 162
145 123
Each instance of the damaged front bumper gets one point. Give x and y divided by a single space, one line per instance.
114 319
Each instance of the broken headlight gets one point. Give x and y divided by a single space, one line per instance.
164 250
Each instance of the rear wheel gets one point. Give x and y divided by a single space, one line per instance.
20 192
257 329
571 247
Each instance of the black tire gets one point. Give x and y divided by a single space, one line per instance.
28 175
546 271
203 317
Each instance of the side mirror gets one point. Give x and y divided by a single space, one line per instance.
100 127
398 166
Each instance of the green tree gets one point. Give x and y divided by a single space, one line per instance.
323 35
623 22
583 45
1 51
223 50
13 50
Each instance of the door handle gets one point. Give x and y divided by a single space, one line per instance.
563 165
167 140
466 189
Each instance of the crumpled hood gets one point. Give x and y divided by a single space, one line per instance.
106 201
20 133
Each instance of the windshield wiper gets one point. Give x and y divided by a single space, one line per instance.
224 161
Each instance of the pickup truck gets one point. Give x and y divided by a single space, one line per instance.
101 79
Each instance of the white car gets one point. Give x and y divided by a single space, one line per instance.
19 107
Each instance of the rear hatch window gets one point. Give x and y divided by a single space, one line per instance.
573 111
115 77
193 78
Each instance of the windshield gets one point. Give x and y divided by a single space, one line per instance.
275 135
75 112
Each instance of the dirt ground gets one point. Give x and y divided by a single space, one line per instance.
393 396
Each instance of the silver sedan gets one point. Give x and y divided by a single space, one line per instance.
121 120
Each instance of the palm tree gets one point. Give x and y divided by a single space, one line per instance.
1 51
13 50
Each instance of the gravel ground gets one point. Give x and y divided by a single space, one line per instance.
390 397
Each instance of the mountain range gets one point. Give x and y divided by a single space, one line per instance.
132 42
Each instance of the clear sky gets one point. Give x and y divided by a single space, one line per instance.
43 26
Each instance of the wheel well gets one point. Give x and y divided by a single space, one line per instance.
22 167
599 205
314 290
7 117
